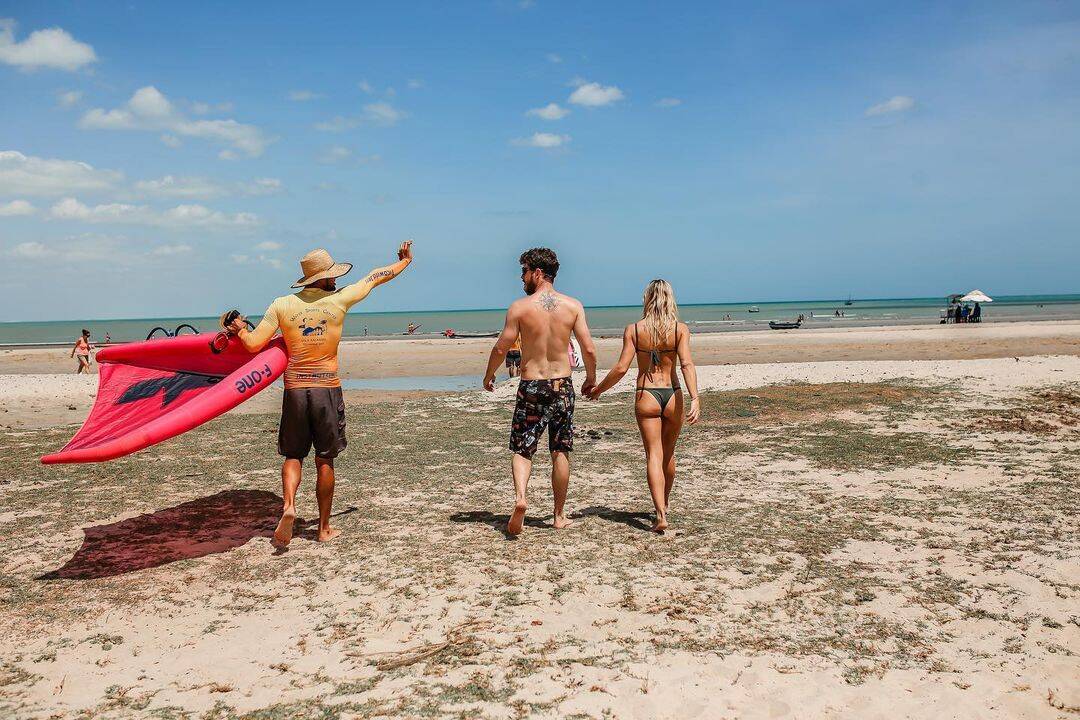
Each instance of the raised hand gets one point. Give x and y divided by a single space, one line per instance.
405 251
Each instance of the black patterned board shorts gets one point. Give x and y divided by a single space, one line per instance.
540 404
312 416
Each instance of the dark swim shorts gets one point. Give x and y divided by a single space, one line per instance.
540 404
513 358
312 416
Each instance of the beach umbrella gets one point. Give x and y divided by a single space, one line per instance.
977 296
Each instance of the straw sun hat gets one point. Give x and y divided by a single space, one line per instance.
318 265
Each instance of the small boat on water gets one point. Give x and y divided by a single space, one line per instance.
849 300
754 308
781 325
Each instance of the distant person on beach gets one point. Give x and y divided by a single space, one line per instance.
108 338
312 408
412 328
656 340
976 313
543 320
82 352
513 358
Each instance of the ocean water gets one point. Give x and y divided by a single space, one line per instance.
720 317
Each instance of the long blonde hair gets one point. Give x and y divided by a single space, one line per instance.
659 311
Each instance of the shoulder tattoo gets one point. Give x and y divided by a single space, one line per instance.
548 301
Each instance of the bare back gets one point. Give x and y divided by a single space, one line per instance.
545 321
662 373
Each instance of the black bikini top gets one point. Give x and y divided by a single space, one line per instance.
654 354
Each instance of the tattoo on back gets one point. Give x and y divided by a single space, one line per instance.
548 301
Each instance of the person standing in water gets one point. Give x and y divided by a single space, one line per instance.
313 409
543 320
656 340
82 351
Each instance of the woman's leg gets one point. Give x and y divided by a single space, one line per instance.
84 365
671 426
647 411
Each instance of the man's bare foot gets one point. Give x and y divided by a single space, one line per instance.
517 519
283 534
660 525
328 534
561 522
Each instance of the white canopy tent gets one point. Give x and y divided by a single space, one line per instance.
977 296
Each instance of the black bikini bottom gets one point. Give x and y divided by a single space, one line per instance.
661 394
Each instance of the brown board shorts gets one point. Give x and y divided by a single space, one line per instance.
312 416
543 404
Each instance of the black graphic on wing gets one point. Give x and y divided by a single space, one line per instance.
172 385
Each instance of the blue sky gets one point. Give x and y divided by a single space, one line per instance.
177 159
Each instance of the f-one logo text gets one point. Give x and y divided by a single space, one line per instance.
252 379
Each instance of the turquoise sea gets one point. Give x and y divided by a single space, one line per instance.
720 317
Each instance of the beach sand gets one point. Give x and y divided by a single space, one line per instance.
438 356
872 538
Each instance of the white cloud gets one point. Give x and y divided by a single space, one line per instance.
898 103
149 109
415 84
190 188
27 175
668 102
338 123
201 108
303 95
16 207
31 250
69 98
382 113
551 111
376 113
262 186
335 154
167 250
51 48
591 94
171 140
180 187
553 58
365 86
177 217
241 259
543 140
269 245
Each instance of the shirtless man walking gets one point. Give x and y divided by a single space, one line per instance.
313 409
545 398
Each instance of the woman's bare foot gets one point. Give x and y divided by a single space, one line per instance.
660 525
561 522
283 534
517 519
328 534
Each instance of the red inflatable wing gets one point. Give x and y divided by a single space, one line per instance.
154 390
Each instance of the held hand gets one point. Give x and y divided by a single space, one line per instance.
489 383
587 389
405 251
694 413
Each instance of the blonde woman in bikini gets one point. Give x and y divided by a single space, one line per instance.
656 341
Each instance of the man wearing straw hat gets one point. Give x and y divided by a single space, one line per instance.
313 409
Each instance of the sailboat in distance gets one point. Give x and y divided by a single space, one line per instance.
849 301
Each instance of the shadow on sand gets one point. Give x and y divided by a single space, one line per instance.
636 520
209 525
498 522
